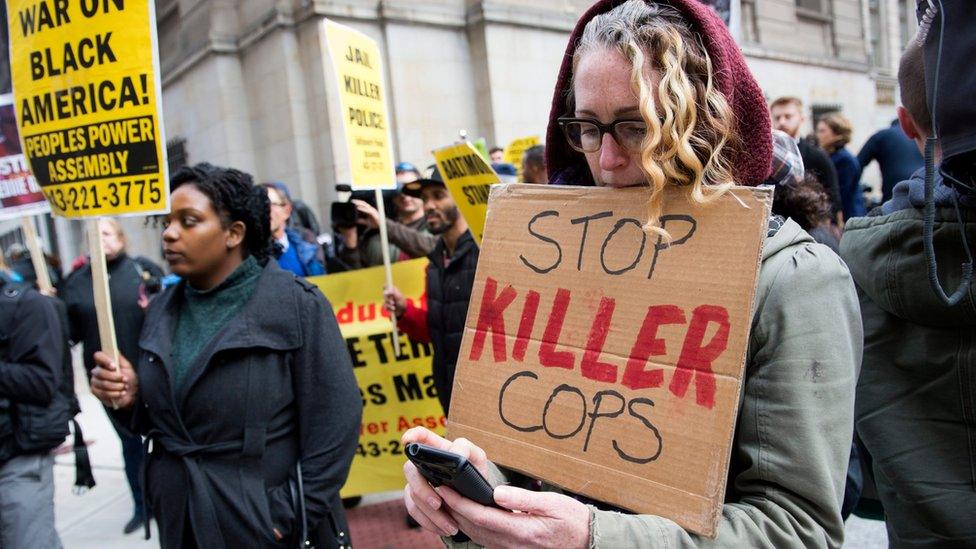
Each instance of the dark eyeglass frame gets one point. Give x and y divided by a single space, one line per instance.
611 128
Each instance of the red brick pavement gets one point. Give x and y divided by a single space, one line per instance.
383 526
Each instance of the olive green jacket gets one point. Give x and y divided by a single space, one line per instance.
916 397
793 436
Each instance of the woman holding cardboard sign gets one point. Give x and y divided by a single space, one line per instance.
243 385
655 94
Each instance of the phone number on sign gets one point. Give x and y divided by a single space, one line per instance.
377 449
113 195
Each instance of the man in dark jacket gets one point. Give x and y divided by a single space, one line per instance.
450 277
787 115
30 373
915 395
897 156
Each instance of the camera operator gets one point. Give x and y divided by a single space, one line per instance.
408 234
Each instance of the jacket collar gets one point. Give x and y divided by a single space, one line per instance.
270 319
464 246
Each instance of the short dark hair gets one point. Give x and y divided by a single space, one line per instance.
234 197
911 84
804 201
493 150
536 156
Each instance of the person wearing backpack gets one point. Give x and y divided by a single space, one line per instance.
33 415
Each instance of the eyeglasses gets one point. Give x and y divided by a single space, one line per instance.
586 134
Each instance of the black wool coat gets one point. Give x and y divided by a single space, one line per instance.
448 292
273 387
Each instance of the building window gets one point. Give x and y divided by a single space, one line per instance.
875 17
176 154
817 110
815 6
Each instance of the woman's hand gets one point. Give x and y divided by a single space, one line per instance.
116 385
543 519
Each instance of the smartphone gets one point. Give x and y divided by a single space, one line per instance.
442 468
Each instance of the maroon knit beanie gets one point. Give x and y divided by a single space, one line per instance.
732 77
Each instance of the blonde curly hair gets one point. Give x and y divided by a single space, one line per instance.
691 125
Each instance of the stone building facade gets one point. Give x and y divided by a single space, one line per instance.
246 83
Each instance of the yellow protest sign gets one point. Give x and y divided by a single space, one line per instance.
517 148
358 68
398 390
87 96
469 179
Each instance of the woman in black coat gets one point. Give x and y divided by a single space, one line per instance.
243 385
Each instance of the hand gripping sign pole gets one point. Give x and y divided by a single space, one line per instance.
387 267
91 162
103 302
358 68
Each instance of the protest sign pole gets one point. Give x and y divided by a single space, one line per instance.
37 255
357 61
103 300
385 243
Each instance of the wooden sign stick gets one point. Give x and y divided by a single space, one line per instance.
103 300
385 243
37 255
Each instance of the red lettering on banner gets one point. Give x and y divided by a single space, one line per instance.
648 345
491 317
548 355
526 325
591 367
697 358
694 361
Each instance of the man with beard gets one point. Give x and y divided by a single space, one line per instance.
450 277
787 116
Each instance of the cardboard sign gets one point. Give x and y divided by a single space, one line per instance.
397 388
358 67
87 95
517 148
20 195
469 179
601 360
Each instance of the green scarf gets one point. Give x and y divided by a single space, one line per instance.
204 312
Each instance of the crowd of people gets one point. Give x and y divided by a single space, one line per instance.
216 394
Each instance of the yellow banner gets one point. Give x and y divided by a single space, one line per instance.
398 391
87 95
358 68
469 179
515 150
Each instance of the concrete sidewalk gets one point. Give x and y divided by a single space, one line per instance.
95 519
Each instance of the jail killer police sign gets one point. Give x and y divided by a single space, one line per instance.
358 68
87 97
601 359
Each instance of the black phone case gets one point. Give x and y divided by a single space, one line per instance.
449 469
